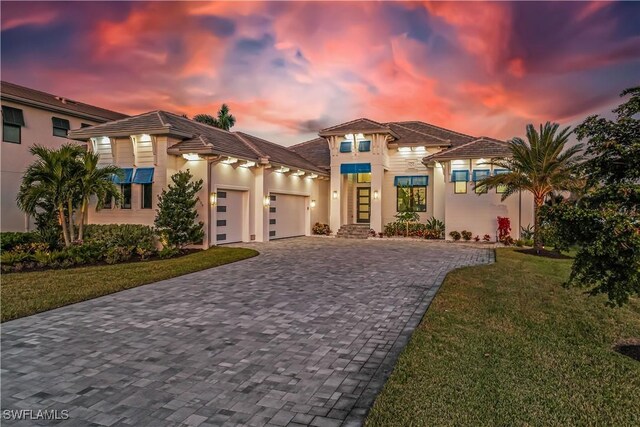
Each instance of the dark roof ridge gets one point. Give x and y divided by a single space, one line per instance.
352 121
124 119
438 127
249 144
421 133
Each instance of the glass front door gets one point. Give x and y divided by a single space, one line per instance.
363 211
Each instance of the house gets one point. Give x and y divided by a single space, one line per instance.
253 189
33 117
256 190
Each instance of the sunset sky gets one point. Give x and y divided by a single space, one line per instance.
288 69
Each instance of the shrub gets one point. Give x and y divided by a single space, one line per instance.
168 252
477 238
528 242
124 235
455 235
9 240
321 229
436 227
117 254
519 243
486 238
526 232
466 235
504 231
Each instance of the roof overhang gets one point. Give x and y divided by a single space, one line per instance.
55 109
365 131
84 134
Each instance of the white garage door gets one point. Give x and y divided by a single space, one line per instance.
286 216
229 216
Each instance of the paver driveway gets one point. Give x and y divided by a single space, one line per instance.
305 333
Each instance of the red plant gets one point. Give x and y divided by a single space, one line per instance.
504 230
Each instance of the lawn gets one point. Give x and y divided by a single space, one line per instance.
506 344
23 294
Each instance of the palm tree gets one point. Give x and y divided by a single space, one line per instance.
50 179
224 120
95 181
541 165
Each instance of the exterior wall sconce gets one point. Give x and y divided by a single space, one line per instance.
191 156
267 201
335 194
375 194
230 161
313 203
213 198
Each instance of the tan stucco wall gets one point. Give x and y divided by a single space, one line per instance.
15 158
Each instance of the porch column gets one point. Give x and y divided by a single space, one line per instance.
377 178
335 203
260 212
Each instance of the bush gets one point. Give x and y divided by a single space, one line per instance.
321 229
466 235
528 242
9 239
455 235
504 231
435 228
168 252
486 238
519 243
477 238
527 232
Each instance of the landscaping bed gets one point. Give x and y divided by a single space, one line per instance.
506 344
27 293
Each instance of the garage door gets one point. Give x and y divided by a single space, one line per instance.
286 216
229 216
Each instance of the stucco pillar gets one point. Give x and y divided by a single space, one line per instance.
260 211
377 178
335 210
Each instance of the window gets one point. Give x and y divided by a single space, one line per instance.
479 175
364 146
460 179
414 195
345 147
126 195
147 196
60 127
500 189
363 177
12 122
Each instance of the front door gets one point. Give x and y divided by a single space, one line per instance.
363 211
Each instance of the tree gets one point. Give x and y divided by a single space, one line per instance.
541 165
49 181
224 119
605 221
177 213
93 180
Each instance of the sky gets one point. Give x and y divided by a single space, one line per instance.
289 69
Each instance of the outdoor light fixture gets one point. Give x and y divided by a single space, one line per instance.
419 148
191 156
313 203
335 194
248 164
267 201
404 149
213 198
299 173
313 176
230 160
375 194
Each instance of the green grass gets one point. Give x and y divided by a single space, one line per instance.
507 345
24 294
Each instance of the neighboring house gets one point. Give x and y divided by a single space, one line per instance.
33 117
254 190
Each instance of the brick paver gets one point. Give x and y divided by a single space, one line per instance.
304 334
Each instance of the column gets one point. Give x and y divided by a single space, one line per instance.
335 198
377 178
260 211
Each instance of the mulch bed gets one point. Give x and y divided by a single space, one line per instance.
629 348
543 253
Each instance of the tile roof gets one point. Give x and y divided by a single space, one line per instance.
316 151
21 94
483 147
455 138
197 138
359 125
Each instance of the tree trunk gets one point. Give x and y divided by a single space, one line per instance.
72 232
83 209
537 240
63 222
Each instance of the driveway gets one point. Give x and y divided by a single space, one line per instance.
306 333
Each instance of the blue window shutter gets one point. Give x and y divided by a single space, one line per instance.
480 174
500 171
355 168
460 176
128 174
143 176
364 146
345 147
420 181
